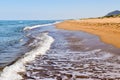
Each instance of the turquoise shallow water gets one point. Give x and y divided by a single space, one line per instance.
11 34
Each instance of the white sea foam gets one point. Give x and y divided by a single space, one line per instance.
12 72
37 26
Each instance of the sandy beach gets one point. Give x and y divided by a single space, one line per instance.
108 29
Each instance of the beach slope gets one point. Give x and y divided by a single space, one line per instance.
108 29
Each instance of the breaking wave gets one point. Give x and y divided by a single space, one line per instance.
39 43
37 26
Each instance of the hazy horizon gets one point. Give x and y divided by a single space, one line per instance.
55 10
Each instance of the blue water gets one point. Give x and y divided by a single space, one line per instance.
10 34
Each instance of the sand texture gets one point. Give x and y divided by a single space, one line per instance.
108 29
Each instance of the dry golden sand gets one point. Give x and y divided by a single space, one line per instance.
108 29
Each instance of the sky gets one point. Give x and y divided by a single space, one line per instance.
55 9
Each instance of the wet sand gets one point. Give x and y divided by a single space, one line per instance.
75 56
108 29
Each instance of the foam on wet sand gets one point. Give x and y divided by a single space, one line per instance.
62 62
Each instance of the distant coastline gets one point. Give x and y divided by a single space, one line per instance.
107 28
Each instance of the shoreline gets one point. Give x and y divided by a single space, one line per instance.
74 55
108 29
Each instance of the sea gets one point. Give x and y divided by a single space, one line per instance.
19 40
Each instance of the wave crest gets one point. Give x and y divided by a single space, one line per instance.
37 26
43 43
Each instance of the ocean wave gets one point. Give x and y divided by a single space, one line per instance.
41 42
37 26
